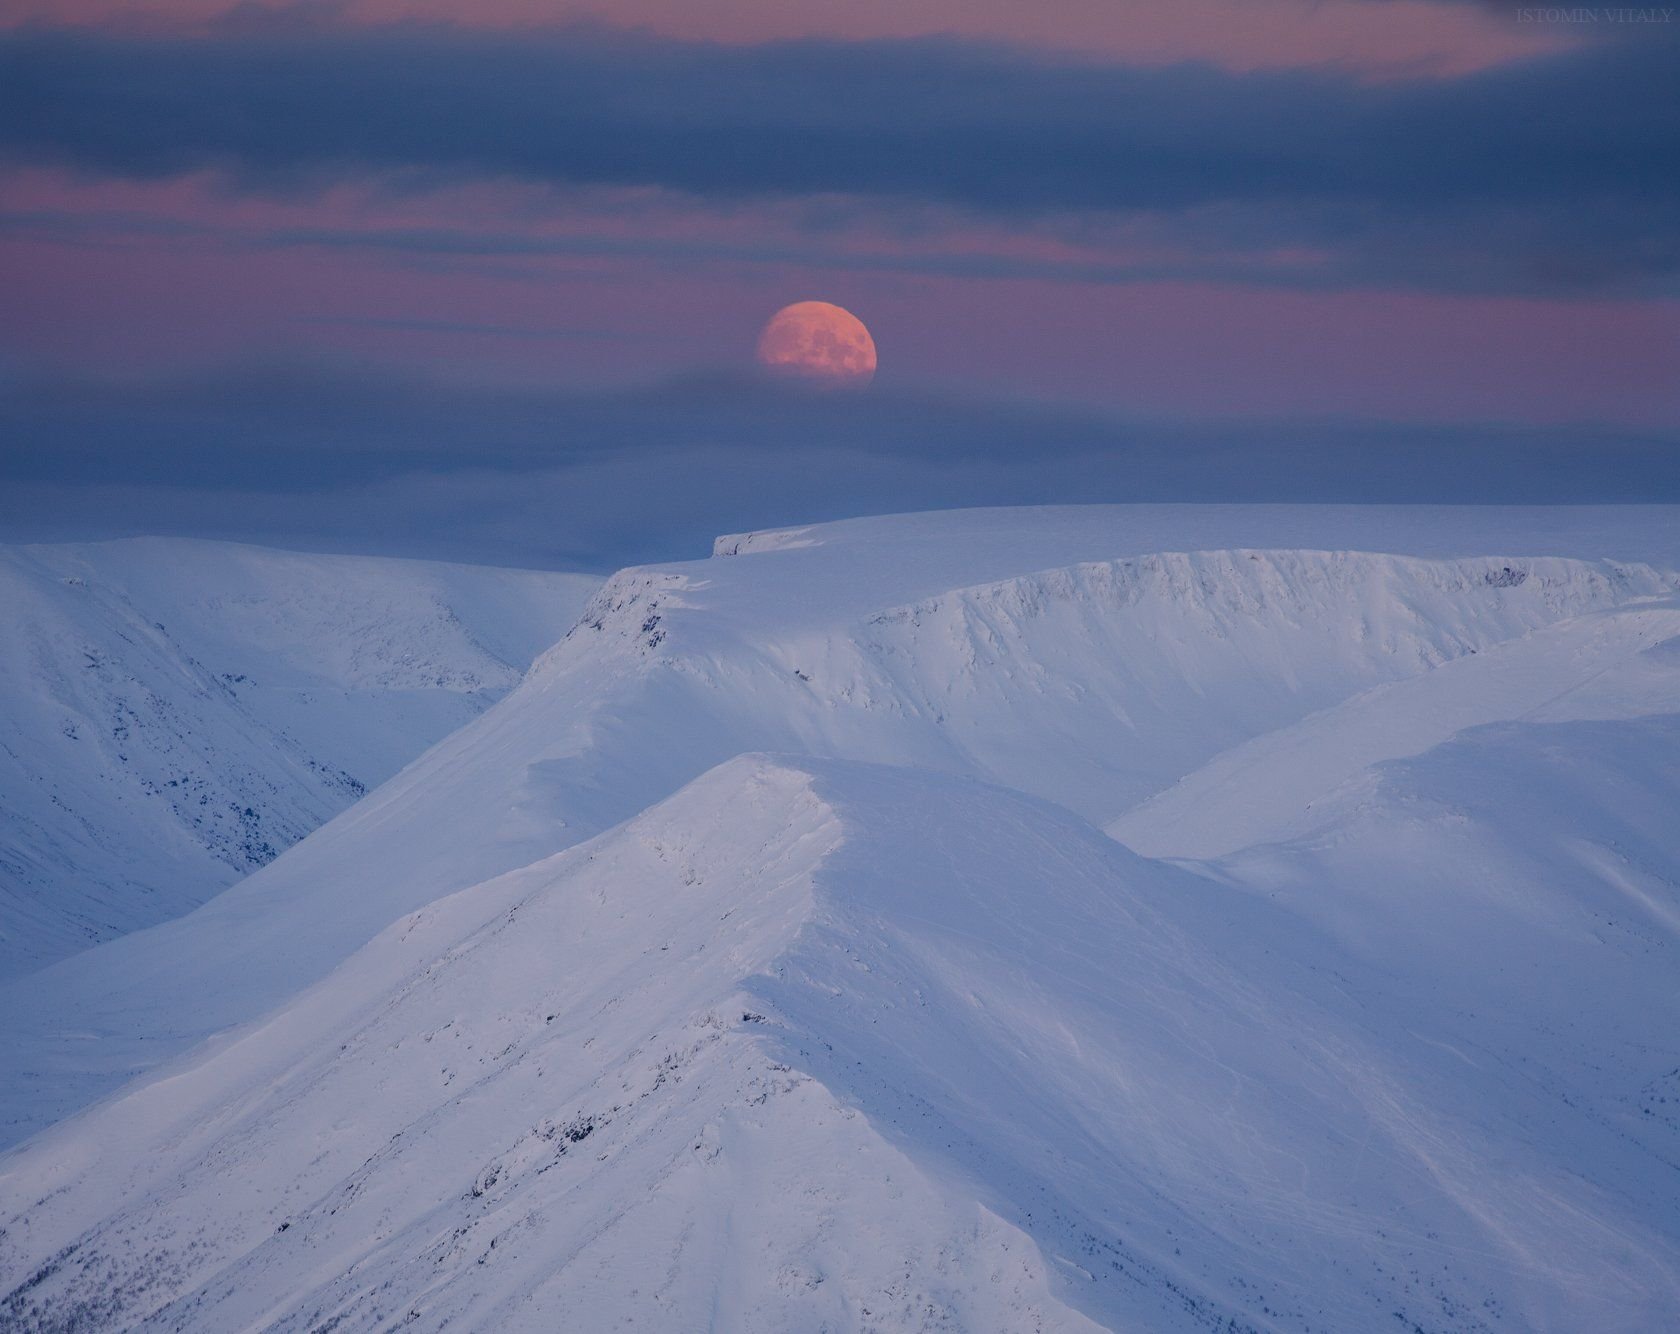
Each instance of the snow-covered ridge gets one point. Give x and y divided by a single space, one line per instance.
1243 584
1123 675
1095 686
810 1039
174 714
1323 611
768 539
1397 596
628 610
882 1031
1605 664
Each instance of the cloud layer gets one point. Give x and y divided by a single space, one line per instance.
1550 174
438 207
344 460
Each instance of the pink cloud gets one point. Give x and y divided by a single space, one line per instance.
187 274
1388 38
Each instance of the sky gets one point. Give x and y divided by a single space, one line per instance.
484 280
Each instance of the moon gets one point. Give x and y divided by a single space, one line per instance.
819 344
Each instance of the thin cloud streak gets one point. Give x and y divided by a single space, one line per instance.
1394 38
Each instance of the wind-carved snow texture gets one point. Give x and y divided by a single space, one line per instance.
883 1032
176 714
554 1102
815 1042
1136 671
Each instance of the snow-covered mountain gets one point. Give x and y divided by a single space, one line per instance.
174 714
814 1044
600 1016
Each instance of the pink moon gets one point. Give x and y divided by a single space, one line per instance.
820 344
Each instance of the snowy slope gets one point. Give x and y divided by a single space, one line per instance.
1517 888
1607 664
173 714
948 641
669 1037
818 1045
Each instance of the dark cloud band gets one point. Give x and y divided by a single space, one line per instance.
340 459
1570 160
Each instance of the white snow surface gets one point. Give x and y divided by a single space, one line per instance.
813 1044
761 961
174 714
